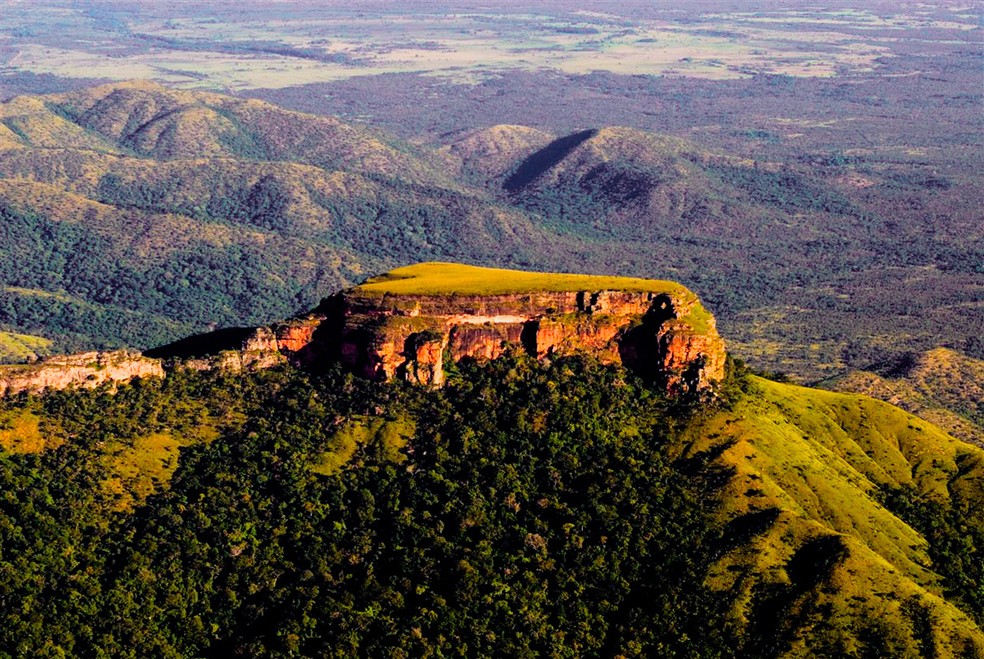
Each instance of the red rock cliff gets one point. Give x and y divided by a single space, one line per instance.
384 337
382 331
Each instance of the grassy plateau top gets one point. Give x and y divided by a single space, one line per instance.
448 279
457 279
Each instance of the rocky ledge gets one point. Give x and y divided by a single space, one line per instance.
89 369
412 322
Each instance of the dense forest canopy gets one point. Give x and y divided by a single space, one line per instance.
523 509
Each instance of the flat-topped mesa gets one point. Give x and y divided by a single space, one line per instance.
410 322
407 323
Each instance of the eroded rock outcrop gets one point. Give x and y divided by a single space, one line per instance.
89 369
411 323
411 337
662 333
245 348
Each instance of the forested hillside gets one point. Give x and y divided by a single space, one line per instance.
139 214
564 509
134 214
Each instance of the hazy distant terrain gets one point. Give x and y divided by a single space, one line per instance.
235 46
877 106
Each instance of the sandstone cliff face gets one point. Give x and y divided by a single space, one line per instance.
238 349
263 347
288 337
664 336
88 369
412 336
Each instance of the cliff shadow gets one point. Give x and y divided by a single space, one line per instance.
323 350
539 162
203 345
528 337
639 347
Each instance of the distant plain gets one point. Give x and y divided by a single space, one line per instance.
281 45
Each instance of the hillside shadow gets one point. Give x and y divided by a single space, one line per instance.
202 345
539 162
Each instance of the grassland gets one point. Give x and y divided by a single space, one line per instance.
458 279
806 465
387 437
21 431
940 385
18 347
139 467
281 46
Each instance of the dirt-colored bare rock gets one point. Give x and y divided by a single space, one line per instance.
88 369
657 329
413 336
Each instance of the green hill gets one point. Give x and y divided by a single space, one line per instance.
162 212
149 120
811 480
629 183
167 212
277 513
490 153
941 385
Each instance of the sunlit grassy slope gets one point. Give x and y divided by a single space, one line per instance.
16 347
385 436
458 279
804 528
21 431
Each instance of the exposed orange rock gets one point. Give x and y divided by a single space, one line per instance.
426 363
294 336
413 336
249 349
482 341
410 336
689 359
88 369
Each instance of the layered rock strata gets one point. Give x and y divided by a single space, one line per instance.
89 369
264 347
664 336
412 323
